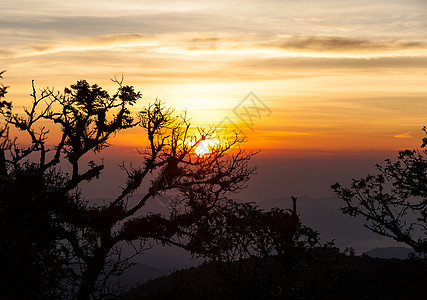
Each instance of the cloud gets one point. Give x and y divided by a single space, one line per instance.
328 52
143 23
4 52
120 38
167 45
90 44
406 135
342 44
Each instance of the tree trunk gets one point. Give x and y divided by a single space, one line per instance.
90 276
3 170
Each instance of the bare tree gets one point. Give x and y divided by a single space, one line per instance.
87 236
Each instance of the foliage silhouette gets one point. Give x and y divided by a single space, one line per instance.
253 250
75 242
394 201
251 253
323 274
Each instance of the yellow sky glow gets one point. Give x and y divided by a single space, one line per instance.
341 75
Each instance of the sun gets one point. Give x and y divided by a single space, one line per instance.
205 146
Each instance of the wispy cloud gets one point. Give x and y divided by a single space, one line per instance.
343 44
241 46
93 43
405 135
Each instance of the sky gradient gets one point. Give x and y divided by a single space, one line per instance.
335 75
339 84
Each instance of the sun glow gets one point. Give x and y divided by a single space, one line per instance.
205 146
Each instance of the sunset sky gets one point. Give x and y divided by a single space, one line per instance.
338 85
331 75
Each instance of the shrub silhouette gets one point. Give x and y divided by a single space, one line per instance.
254 251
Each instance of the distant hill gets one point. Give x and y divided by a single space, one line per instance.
390 252
139 274
358 277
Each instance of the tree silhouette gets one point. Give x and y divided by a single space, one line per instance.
259 254
254 251
45 216
394 201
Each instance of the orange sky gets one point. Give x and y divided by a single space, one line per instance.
329 75
339 84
